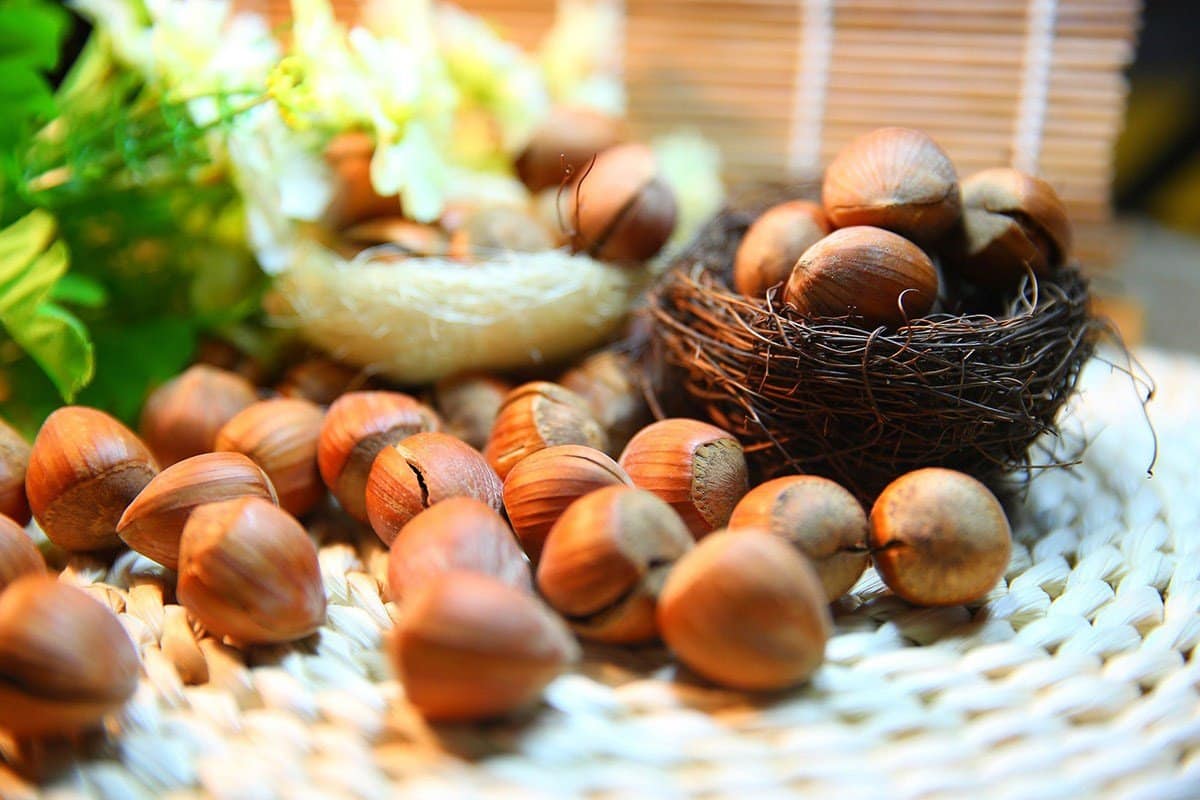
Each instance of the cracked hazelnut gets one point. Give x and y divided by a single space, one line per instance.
939 537
699 469
820 518
357 426
605 561
538 415
422 470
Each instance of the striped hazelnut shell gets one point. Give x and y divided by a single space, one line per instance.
774 242
181 418
14 461
280 435
18 554
538 415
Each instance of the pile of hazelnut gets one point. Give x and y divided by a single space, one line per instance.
518 520
894 228
589 189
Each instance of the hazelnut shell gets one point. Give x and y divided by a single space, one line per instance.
564 143
14 461
18 554
280 435
773 244
181 418
620 210
538 415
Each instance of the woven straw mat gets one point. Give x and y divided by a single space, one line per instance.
1077 677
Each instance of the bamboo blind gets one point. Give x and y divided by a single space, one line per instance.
781 85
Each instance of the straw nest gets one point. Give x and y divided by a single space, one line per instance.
969 391
419 319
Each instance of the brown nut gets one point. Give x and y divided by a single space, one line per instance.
495 230
153 522
468 404
181 418
605 561
774 243
1012 222
459 533
607 382
18 554
357 426
867 273
281 436
539 488
538 415
318 380
939 537
563 145
745 610
405 237
249 571
424 469
14 461
820 518
619 209
893 178
84 469
354 198
468 647
65 659
699 469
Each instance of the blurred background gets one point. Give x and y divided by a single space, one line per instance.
1128 164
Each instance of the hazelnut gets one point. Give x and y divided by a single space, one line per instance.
248 570
468 404
605 561
538 415
1012 222
620 209
84 469
181 418
539 488
867 273
354 198
281 436
745 610
18 554
939 537
318 380
820 518
459 533
699 469
607 381
468 647
407 237
153 522
422 470
65 659
773 244
563 145
357 426
893 178
14 461
495 230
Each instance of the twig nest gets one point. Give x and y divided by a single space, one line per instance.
459 533
621 210
564 143
84 470
820 518
65 659
426 468
468 647
1012 223
249 571
697 468
774 243
893 178
18 554
540 488
745 610
867 273
605 561
939 537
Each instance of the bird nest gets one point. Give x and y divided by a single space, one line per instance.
971 391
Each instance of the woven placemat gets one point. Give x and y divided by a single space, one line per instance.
1077 677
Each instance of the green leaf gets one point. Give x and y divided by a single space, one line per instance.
132 358
79 290
31 262
31 37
